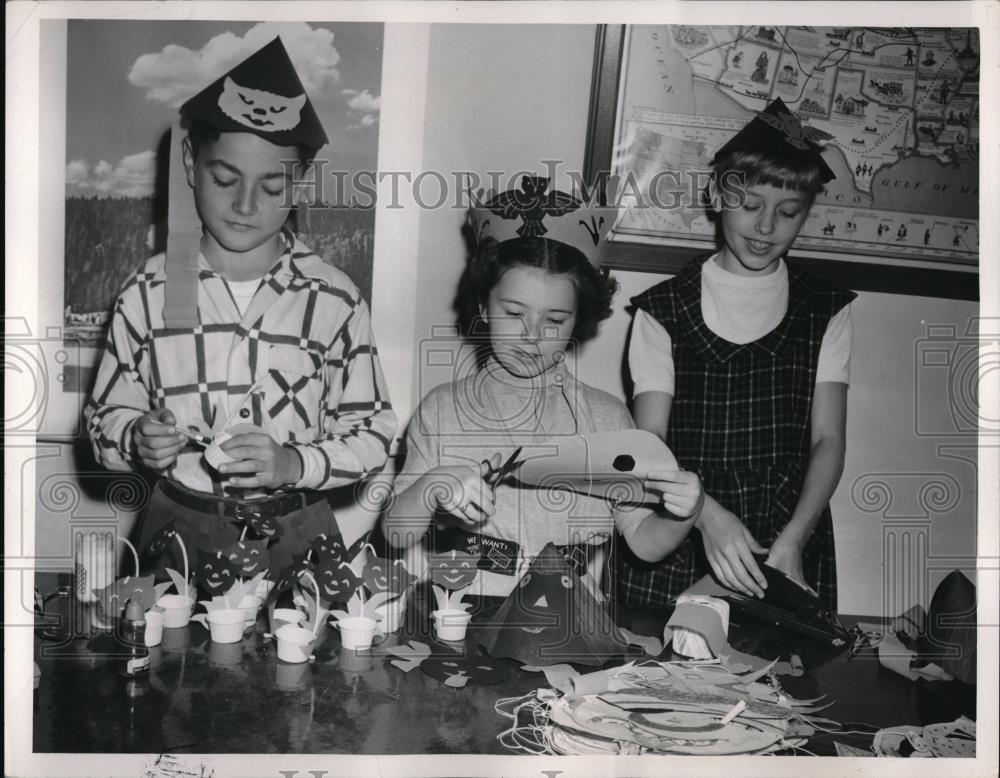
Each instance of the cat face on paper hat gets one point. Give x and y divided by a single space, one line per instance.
261 95
777 133
535 210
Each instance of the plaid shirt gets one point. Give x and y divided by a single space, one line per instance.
741 419
299 363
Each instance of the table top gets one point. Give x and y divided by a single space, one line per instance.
205 697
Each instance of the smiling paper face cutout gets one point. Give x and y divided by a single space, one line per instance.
453 570
215 573
331 546
381 575
260 110
114 596
250 556
268 527
289 575
161 539
337 582
551 618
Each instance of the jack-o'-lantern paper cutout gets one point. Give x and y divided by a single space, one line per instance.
114 596
459 671
215 573
159 543
337 581
288 576
331 546
454 570
383 575
267 527
250 556
551 617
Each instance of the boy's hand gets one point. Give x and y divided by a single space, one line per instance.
730 547
261 462
156 442
680 491
461 491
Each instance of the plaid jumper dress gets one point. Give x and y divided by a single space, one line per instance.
740 419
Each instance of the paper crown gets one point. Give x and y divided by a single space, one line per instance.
777 130
534 211
262 95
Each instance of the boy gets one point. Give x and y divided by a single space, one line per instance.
741 363
242 334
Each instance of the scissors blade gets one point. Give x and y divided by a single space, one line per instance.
507 467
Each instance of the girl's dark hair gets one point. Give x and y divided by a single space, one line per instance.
199 132
745 168
491 259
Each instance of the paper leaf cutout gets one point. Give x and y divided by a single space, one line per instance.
337 581
308 604
181 586
454 570
161 589
161 539
409 656
382 575
289 575
249 555
214 572
448 600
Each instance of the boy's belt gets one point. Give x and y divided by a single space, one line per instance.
266 508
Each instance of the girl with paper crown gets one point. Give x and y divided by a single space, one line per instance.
741 363
240 367
532 291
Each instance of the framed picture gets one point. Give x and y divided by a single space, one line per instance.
901 106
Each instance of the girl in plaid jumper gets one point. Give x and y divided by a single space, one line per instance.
741 363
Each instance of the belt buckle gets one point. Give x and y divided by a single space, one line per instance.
248 510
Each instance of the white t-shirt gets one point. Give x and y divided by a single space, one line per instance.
740 309
243 292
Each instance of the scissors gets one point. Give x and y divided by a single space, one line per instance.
495 475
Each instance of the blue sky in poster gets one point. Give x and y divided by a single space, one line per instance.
126 80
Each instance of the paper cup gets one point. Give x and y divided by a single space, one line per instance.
450 624
177 610
389 615
225 625
154 628
294 643
356 632
282 616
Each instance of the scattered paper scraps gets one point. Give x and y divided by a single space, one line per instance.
458 671
409 656
894 656
652 646
846 750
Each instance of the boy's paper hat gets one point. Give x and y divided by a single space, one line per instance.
777 131
533 211
262 95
